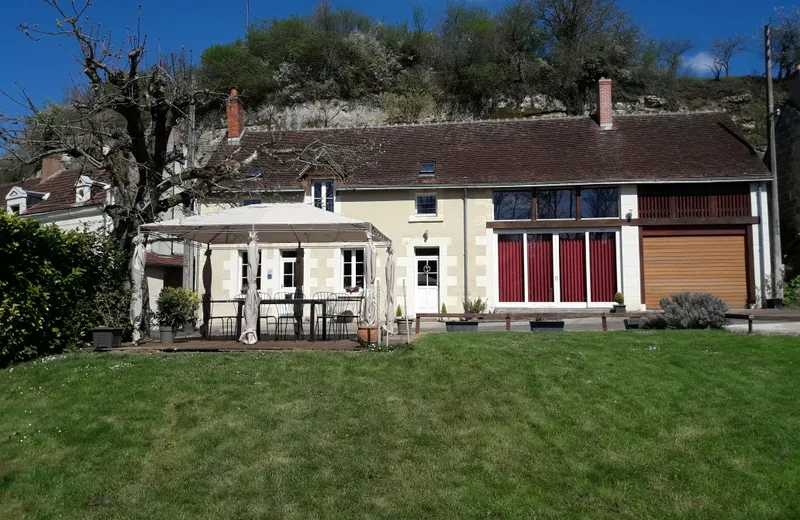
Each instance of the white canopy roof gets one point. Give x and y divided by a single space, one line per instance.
274 223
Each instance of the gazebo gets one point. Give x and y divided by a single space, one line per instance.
296 223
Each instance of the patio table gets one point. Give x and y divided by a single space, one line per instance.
311 302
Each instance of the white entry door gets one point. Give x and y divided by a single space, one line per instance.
427 276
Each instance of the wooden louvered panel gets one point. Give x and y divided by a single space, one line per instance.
714 264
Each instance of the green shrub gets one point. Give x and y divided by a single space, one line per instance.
54 287
399 312
475 306
444 309
619 299
689 311
176 306
791 293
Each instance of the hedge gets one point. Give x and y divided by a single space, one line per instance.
54 286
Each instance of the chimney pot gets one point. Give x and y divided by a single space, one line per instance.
605 107
235 118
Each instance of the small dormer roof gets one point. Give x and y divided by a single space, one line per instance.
15 193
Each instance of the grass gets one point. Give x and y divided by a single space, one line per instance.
507 425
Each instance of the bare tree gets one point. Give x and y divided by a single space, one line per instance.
125 120
716 69
725 50
671 52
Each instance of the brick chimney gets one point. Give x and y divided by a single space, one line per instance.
605 108
235 116
50 166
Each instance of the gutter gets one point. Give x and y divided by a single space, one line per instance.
466 249
53 216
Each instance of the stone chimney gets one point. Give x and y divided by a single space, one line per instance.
605 108
235 116
50 166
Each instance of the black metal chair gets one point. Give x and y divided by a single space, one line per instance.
347 311
285 313
264 314
331 305
227 323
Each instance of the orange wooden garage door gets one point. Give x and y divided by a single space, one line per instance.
705 263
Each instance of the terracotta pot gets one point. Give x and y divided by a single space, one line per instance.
367 334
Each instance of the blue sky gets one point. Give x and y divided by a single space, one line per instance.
44 67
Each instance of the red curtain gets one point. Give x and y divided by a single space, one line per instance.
603 258
540 268
512 278
573 267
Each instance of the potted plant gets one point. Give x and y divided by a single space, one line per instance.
543 325
346 316
112 305
175 307
401 320
466 324
619 303
772 300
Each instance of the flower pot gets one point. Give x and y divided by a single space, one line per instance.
345 318
402 326
632 323
774 303
618 308
367 335
461 326
189 328
167 335
106 337
547 326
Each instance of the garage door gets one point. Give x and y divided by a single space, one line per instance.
703 263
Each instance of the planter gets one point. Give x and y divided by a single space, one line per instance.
367 335
345 318
547 326
461 326
167 335
189 328
618 309
774 303
106 337
632 323
402 326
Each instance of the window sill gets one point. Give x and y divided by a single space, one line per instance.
426 218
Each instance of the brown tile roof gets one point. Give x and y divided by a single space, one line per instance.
61 188
163 260
667 147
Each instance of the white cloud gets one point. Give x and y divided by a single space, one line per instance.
700 63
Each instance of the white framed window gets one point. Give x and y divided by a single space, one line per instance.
14 210
243 260
352 268
323 194
288 268
426 205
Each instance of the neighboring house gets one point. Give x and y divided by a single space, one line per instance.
75 199
787 145
542 213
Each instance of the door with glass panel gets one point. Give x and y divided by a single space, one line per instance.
426 292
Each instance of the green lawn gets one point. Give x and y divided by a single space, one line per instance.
507 425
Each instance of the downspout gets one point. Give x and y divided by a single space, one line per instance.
762 264
466 250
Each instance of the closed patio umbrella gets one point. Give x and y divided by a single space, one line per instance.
391 281
299 282
370 268
206 294
252 300
137 275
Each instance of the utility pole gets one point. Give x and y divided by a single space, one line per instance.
775 217
248 16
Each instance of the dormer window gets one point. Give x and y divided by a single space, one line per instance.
323 194
83 189
427 169
14 210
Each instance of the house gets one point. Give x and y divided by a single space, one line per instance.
557 213
74 197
